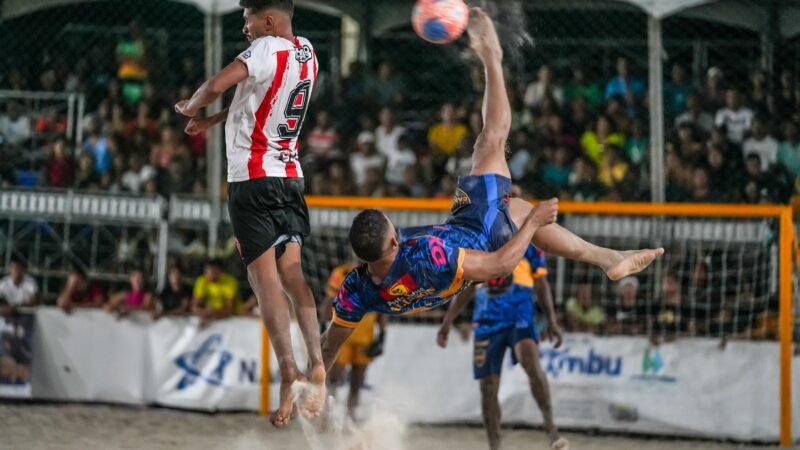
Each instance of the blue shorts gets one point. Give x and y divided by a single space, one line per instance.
480 212
489 351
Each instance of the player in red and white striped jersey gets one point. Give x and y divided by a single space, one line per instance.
274 80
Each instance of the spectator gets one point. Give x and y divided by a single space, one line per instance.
581 87
735 117
323 141
173 299
761 144
630 88
579 117
637 145
137 175
215 293
789 148
445 137
556 136
387 134
583 315
79 292
86 177
389 87
143 123
15 127
672 318
365 157
723 176
340 183
167 149
136 297
175 180
595 141
399 160
712 95
18 288
782 103
759 93
755 184
521 152
676 92
557 172
460 164
59 167
687 144
447 187
101 148
628 314
702 191
374 185
583 181
695 115
612 168
677 179
544 87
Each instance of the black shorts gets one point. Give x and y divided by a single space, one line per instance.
267 212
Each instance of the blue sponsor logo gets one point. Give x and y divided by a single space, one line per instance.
193 363
653 366
557 362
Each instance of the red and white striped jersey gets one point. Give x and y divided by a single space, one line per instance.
267 112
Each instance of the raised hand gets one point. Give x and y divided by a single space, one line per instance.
544 213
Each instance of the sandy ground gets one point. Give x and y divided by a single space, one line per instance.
90 427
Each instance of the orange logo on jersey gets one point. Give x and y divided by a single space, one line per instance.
398 290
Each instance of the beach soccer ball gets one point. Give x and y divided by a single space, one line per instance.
440 21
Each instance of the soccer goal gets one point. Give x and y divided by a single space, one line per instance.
700 344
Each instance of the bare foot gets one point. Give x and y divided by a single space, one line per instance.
311 394
632 262
483 36
283 415
560 444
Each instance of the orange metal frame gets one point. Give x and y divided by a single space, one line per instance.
787 243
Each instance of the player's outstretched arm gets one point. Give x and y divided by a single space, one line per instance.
213 88
331 341
483 266
456 306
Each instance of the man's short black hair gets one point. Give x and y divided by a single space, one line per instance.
368 234
216 263
261 5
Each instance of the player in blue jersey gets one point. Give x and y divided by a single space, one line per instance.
504 318
486 236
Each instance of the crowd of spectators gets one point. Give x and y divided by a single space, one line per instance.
576 134
577 137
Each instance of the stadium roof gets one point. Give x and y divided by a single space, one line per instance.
748 14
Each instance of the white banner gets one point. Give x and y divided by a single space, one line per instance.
690 387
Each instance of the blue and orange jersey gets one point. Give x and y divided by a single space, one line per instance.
426 273
508 301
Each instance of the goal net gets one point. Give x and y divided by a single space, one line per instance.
724 281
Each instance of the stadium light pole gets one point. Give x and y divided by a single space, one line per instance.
655 71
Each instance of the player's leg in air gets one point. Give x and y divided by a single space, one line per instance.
489 158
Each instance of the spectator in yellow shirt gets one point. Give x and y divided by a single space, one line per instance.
215 293
360 348
612 168
445 137
595 141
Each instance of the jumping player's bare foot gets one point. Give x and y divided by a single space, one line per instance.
632 262
482 35
283 415
311 394
560 444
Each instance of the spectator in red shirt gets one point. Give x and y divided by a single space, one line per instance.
80 292
60 166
